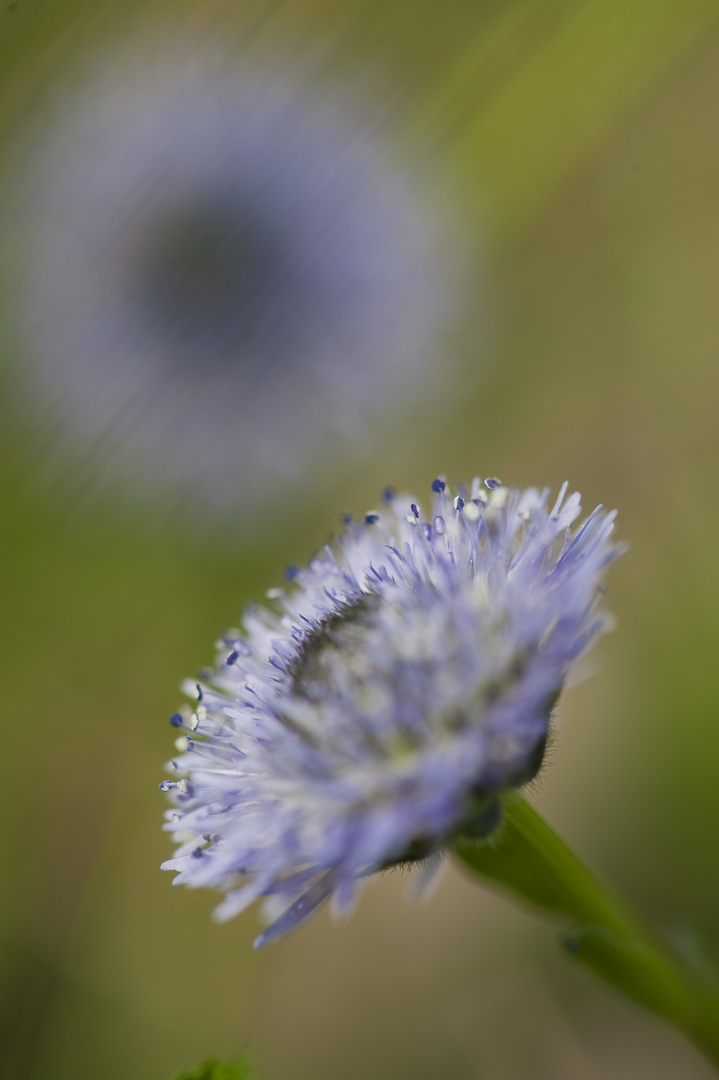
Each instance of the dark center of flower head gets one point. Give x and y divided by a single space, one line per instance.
329 649
217 282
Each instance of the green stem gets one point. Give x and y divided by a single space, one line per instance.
528 859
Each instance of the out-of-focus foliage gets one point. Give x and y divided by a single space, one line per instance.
533 90
238 1069
579 146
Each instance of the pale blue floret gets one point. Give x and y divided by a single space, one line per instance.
406 678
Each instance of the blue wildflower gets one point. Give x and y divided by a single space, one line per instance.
405 679
227 270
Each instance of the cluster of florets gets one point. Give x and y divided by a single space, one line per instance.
397 687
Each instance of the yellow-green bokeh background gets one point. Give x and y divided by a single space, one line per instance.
579 144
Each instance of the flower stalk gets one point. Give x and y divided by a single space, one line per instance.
526 858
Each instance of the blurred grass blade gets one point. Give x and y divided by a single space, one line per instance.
540 85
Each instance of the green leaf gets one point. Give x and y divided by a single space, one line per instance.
239 1068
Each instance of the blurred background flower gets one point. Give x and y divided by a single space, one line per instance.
578 148
223 273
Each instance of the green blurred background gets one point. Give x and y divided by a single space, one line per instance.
577 146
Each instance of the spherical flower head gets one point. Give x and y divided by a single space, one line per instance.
399 685
224 267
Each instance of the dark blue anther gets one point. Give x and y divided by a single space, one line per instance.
346 519
291 573
232 658
388 494
414 510
459 503
199 691
427 530
371 519
197 853
492 483
438 486
177 719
